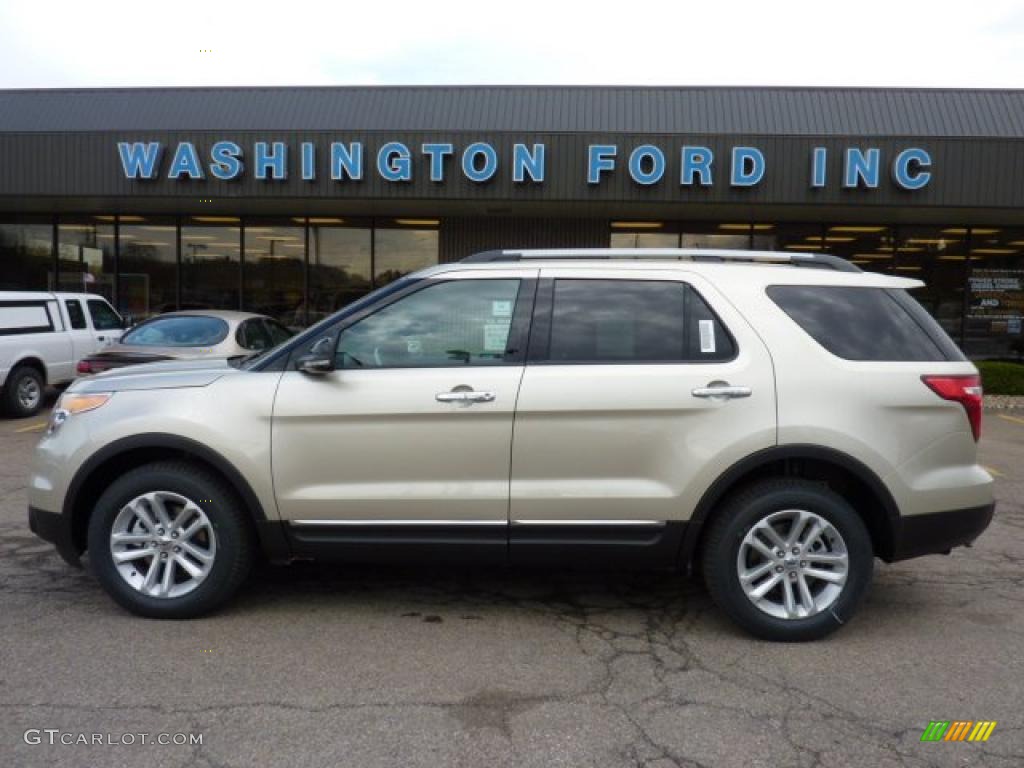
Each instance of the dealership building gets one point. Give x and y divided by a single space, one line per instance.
294 201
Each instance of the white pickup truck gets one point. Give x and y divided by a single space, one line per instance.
43 336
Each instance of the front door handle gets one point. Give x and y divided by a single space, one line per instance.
720 389
469 396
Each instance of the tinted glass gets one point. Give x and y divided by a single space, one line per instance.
398 252
462 322
253 335
178 331
149 266
104 318
210 260
278 332
26 255
856 323
632 321
275 263
339 266
85 251
75 314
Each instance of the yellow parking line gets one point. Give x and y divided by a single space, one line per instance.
993 472
1014 419
33 427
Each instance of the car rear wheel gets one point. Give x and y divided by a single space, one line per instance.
788 560
24 392
169 540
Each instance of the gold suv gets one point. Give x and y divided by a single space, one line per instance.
778 420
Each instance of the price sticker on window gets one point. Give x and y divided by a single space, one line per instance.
707 336
501 309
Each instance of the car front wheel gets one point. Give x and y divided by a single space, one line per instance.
169 540
788 560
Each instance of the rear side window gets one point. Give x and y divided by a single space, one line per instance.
865 323
634 321
75 313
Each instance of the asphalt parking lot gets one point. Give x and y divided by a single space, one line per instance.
414 667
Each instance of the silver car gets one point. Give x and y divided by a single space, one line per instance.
189 335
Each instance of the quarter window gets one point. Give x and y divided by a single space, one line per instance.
859 323
634 321
454 323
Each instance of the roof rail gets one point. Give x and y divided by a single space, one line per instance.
819 260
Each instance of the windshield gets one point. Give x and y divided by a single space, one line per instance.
178 331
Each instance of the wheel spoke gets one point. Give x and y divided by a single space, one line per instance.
157 503
765 586
787 596
150 581
199 554
813 534
128 555
772 536
130 538
831 558
138 507
756 572
168 577
833 577
761 547
806 598
193 570
194 528
796 531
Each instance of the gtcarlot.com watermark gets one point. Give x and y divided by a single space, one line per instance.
57 737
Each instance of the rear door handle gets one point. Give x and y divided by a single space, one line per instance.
724 391
464 397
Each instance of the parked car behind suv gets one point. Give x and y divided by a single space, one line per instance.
42 336
189 335
776 420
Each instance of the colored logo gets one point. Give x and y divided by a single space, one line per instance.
958 730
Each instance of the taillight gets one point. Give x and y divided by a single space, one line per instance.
966 390
83 366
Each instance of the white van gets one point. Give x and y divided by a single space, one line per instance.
43 336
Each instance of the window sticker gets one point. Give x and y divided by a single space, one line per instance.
495 337
707 336
501 309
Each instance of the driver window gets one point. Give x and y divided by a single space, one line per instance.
459 322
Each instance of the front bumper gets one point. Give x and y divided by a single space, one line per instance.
939 532
55 528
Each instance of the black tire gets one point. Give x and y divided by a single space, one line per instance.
739 514
216 499
21 376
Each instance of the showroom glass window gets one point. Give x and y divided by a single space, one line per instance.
275 260
714 236
340 265
872 247
938 256
995 306
210 261
454 323
402 246
147 283
643 234
26 254
85 253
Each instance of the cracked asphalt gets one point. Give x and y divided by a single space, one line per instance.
316 666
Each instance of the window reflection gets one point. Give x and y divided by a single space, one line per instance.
938 256
26 254
869 246
398 252
275 259
996 299
339 266
210 264
85 252
147 284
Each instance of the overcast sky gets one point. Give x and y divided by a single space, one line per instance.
57 43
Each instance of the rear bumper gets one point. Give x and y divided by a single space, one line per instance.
939 532
55 528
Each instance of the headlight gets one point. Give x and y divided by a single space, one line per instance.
72 403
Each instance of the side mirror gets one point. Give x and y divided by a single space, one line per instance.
320 358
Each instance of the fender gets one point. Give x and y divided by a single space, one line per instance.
727 480
270 531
